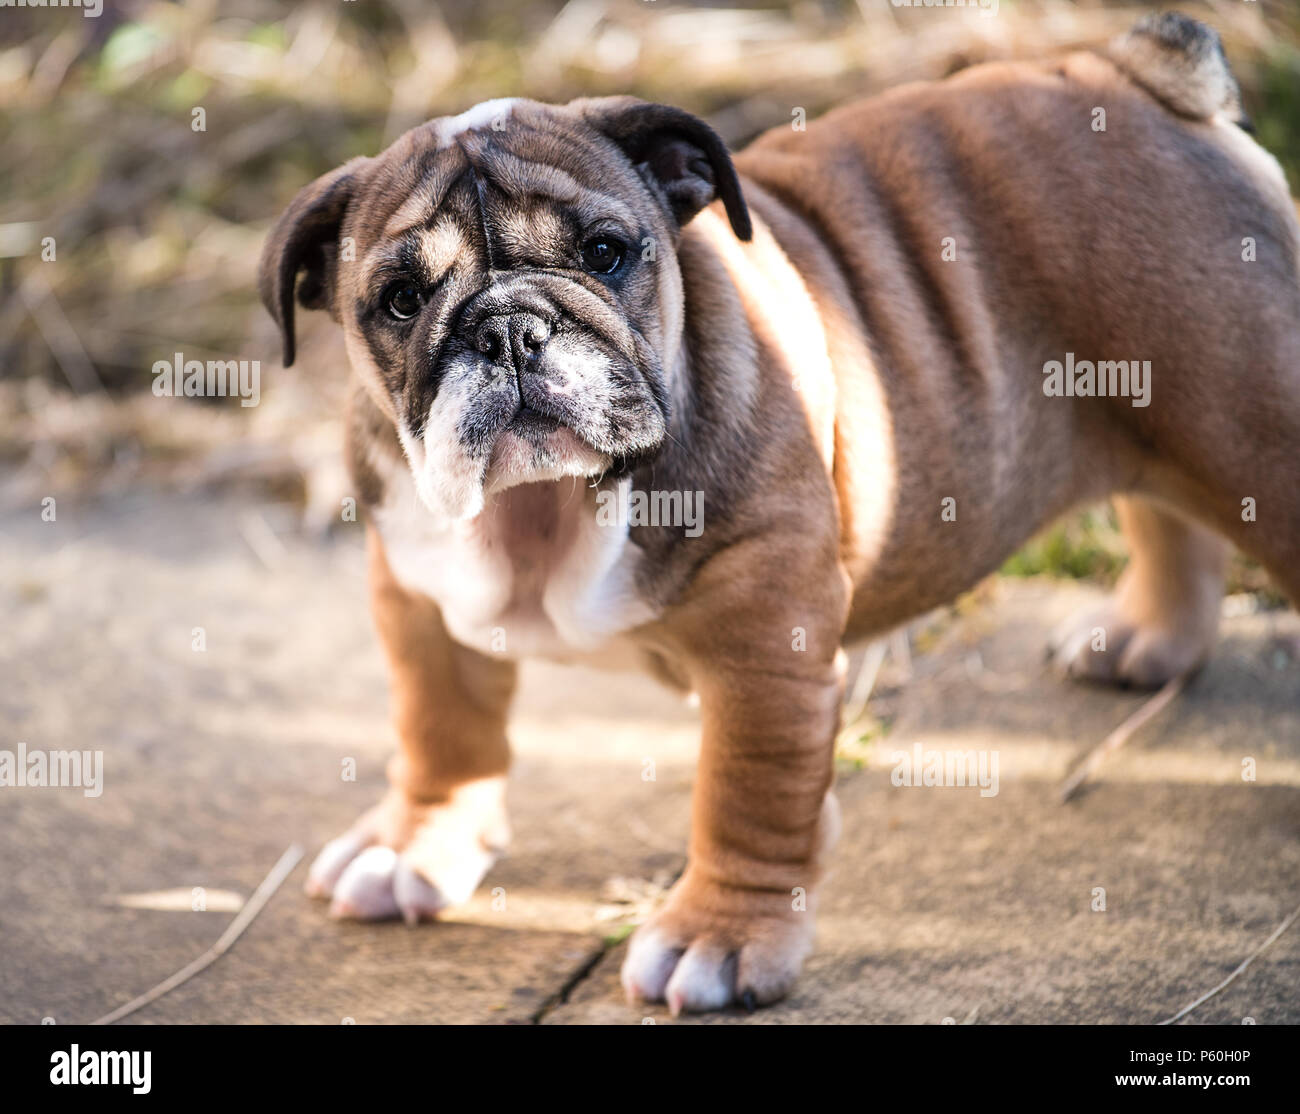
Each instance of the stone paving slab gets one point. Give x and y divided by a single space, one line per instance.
942 904
946 905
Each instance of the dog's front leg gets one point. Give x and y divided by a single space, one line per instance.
737 926
442 823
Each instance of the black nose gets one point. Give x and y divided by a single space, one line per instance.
516 337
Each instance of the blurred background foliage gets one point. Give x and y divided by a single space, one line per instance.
157 224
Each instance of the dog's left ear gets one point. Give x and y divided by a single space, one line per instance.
677 152
306 238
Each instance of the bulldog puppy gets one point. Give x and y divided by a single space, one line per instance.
865 344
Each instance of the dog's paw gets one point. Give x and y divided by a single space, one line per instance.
1104 647
412 860
702 951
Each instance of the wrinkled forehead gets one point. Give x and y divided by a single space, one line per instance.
510 177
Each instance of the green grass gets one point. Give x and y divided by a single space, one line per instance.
1088 546
1273 95
1085 546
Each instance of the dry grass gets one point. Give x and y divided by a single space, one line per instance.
157 226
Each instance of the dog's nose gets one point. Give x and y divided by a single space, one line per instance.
517 337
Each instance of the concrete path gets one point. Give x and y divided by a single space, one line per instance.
943 905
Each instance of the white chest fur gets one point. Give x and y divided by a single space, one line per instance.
534 575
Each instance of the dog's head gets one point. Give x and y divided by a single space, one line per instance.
508 284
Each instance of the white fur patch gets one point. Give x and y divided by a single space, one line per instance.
593 594
485 115
515 461
441 865
585 600
448 479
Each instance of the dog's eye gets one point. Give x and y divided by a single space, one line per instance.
403 300
602 255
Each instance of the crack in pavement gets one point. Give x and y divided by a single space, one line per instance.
579 975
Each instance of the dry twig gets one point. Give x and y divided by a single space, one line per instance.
1121 735
1295 914
234 930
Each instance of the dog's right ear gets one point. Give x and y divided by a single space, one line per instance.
306 238
680 153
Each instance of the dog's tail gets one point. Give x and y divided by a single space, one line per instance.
1180 62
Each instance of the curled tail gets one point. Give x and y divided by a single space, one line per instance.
1180 62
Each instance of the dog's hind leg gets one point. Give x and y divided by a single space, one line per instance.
1164 616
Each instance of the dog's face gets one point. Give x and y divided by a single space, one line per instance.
508 285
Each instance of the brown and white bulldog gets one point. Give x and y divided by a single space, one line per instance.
877 354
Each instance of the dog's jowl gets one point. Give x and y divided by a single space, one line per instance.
622 398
